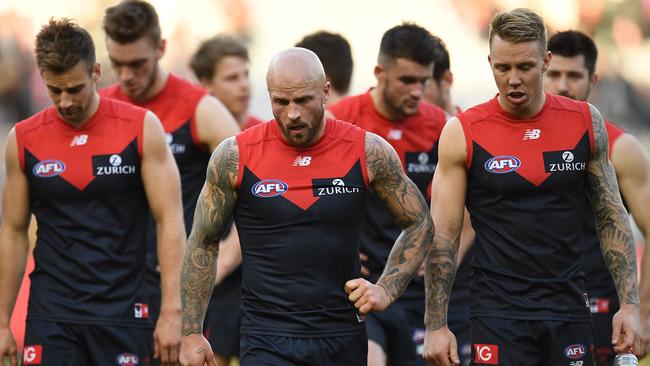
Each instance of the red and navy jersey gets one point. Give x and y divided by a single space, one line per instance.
415 139
600 286
175 106
87 195
298 216
528 201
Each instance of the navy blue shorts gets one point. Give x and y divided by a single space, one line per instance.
602 313
400 333
263 350
66 344
512 342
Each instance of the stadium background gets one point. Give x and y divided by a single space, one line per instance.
621 29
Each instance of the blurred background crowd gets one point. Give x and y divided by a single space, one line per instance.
621 29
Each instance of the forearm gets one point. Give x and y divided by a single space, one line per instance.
440 270
197 280
617 244
407 255
170 252
13 256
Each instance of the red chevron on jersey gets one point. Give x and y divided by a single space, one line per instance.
265 153
58 148
504 137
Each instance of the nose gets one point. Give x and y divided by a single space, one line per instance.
418 90
562 85
125 73
65 100
293 112
514 79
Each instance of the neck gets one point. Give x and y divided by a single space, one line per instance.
94 105
524 112
380 105
158 84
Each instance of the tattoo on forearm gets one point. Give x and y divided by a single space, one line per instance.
410 211
213 210
439 278
612 221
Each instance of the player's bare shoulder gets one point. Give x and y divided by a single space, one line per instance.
224 163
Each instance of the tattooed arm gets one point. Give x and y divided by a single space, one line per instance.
213 210
617 242
409 209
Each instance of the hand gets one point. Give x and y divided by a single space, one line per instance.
196 351
366 297
167 337
644 332
625 337
440 348
8 346
364 269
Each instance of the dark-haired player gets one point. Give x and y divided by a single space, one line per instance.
194 122
89 169
572 73
395 110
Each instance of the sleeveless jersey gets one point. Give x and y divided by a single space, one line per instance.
528 201
88 198
175 106
415 139
603 297
299 216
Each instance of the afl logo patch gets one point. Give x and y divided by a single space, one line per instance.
502 164
269 188
48 168
575 351
127 359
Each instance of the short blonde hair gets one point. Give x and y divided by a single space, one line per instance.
518 25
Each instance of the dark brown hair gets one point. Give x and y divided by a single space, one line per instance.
61 45
131 20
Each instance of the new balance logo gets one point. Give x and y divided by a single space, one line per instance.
394 135
79 140
302 161
532 134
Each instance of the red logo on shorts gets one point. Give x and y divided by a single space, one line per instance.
32 355
487 354
141 311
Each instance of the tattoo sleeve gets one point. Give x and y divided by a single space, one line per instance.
211 217
612 221
409 209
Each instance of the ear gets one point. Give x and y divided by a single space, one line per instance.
97 72
379 72
547 61
160 49
593 80
326 92
448 77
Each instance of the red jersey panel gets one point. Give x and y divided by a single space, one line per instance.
298 216
527 197
415 139
87 195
